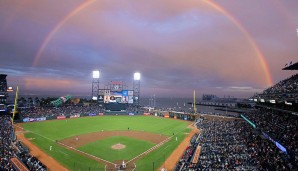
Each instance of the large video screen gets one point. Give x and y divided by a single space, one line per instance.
108 96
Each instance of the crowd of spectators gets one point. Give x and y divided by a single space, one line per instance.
6 139
11 148
281 127
235 145
289 85
285 90
61 111
283 95
224 146
185 162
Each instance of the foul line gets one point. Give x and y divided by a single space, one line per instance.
68 147
36 134
151 149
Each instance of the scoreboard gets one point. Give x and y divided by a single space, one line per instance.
109 96
115 92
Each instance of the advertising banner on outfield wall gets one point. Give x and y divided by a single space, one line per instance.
25 119
100 114
75 116
61 117
34 119
92 114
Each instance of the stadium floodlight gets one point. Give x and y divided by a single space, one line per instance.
137 76
10 89
96 74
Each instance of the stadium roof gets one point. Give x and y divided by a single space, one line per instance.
292 67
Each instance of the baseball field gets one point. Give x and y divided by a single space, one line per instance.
105 142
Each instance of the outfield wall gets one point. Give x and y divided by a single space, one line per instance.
38 119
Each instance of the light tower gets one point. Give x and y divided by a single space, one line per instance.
136 88
95 84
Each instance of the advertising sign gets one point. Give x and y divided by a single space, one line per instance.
61 117
41 119
130 99
125 93
124 99
118 99
25 119
75 116
130 92
112 99
34 119
282 148
100 98
106 99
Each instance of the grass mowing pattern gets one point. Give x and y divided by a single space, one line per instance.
61 129
102 148
68 158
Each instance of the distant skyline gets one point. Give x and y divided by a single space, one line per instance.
226 48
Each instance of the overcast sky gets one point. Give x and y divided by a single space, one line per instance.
52 47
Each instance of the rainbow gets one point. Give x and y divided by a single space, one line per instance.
58 27
85 4
259 53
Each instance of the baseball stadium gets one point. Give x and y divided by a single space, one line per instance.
114 132
102 85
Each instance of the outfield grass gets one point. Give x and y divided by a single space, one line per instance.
45 134
102 148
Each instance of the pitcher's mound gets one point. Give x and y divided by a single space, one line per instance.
118 146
